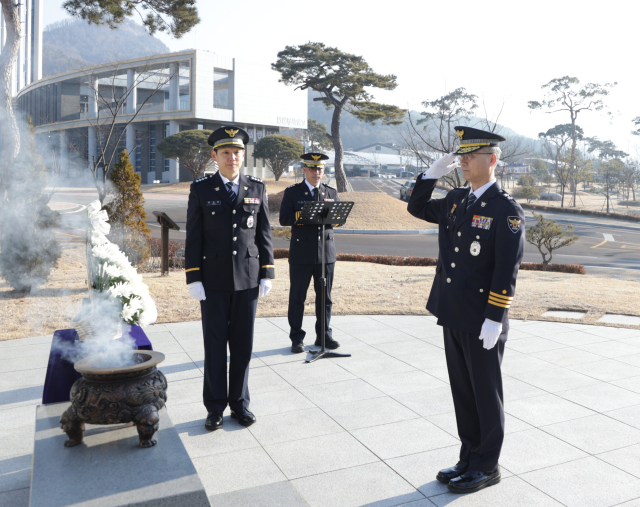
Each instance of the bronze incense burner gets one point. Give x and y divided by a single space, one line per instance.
116 395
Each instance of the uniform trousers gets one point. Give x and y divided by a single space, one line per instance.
227 317
476 386
300 278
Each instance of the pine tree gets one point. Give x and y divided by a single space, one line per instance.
28 247
126 212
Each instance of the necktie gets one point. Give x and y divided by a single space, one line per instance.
472 198
315 193
232 194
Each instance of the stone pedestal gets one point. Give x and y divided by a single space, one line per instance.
109 469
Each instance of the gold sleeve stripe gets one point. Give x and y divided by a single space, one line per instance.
269 266
499 304
491 298
191 269
498 296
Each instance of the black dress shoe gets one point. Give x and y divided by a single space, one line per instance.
214 420
297 348
329 343
473 480
444 476
244 417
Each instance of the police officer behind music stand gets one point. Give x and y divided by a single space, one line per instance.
481 242
228 262
305 252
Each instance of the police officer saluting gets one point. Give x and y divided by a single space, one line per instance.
305 252
228 261
481 241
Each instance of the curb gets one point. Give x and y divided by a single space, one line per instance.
595 224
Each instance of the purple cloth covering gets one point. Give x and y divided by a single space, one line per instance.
60 373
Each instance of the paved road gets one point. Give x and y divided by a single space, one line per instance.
601 247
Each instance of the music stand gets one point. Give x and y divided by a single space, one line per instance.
324 213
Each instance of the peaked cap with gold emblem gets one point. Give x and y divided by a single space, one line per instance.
473 139
314 159
228 136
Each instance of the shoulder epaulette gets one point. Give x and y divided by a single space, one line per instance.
329 186
257 180
295 184
203 178
506 195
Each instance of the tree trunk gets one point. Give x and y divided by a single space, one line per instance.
8 125
341 177
573 158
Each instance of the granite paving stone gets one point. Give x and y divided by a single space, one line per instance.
601 397
428 402
407 382
607 370
533 449
296 425
336 393
237 470
370 412
277 494
588 482
375 428
555 379
420 469
201 442
624 458
627 415
311 456
510 492
595 434
547 409
372 484
404 437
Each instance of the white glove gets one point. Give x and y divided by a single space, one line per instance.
196 291
265 287
490 333
444 165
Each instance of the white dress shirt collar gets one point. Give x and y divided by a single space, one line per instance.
478 193
235 182
311 187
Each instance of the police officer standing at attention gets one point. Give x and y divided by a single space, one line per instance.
481 243
228 261
305 252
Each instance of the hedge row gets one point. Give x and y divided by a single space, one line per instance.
392 260
620 216
577 269
275 201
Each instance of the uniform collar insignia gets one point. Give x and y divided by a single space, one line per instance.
483 204
246 188
217 188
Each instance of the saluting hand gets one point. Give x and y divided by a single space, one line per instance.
444 165
196 291
490 333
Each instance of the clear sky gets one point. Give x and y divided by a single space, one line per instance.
502 51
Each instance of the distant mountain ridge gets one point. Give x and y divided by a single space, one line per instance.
356 134
73 44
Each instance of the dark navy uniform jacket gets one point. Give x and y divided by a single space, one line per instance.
306 240
480 254
228 246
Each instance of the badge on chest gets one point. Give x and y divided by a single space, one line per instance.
250 222
452 213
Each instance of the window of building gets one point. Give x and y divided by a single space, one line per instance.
152 148
166 134
378 148
84 103
166 101
221 89
138 157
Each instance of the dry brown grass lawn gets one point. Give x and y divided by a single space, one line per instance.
359 288
376 210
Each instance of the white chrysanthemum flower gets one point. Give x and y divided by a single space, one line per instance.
98 239
128 312
94 206
121 290
102 252
112 270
